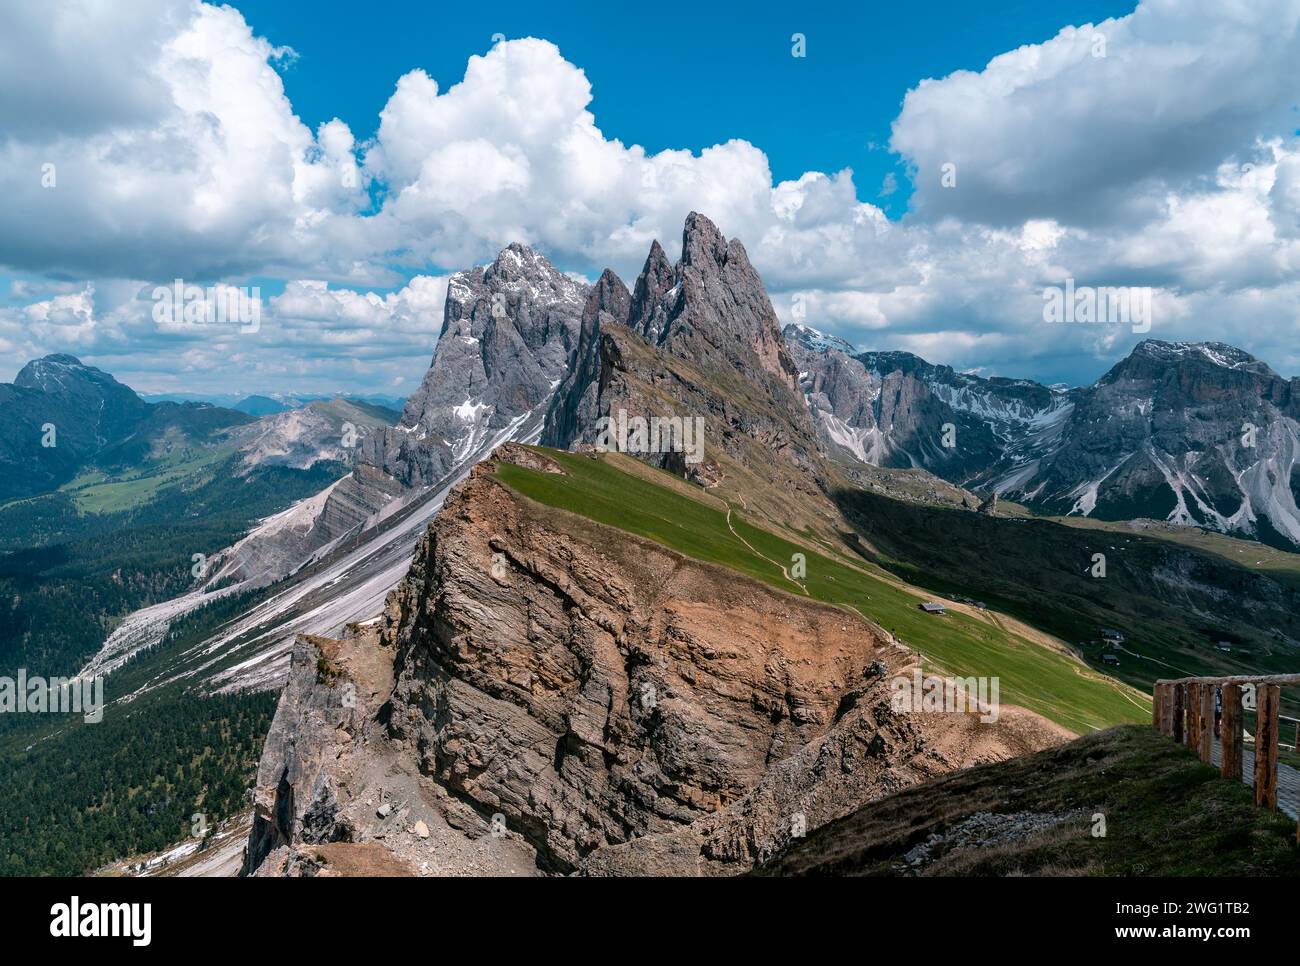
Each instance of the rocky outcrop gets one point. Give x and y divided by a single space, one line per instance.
717 308
283 543
575 405
296 799
616 707
596 695
322 431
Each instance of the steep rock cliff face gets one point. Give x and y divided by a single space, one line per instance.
698 339
893 409
717 310
509 333
595 688
1194 433
575 405
286 541
627 710
336 797
326 704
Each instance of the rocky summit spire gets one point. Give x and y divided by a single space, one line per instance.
719 298
574 404
650 298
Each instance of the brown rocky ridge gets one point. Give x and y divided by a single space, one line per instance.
548 694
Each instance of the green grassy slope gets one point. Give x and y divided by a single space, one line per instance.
1166 814
1172 599
1032 675
1279 564
97 491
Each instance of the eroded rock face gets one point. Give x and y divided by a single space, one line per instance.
716 297
894 409
623 709
509 333
1194 433
296 796
598 689
575 405
1198 434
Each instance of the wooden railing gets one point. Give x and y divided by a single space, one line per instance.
1184 711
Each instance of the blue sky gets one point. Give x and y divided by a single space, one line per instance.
345 160
672 81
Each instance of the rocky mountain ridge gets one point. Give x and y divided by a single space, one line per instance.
697 340
509 331
1199 434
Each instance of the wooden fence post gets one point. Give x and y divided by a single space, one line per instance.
1206 748
1180 703
1267 698
1156 693
1230 734
1193 703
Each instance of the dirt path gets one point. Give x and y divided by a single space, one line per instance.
1154 660
776 563
1004 623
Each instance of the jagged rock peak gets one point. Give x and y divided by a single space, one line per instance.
703 243
518 270
610 295
650 308
712 292
509 332
574 403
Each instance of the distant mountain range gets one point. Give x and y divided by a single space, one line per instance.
61 417
268 404
1198 434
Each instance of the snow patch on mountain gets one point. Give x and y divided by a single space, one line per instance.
811 338
867 444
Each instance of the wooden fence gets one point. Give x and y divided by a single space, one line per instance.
1184 710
